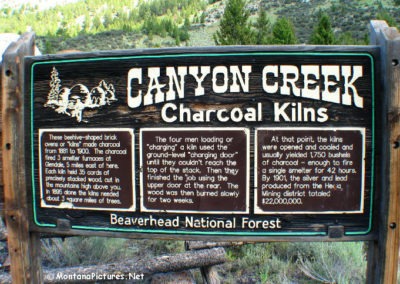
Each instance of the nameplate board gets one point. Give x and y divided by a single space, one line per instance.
232 141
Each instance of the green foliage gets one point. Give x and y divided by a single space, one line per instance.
384 15
83 251
203 18
158 247
80 22
334 263
165 26
77 251
298 263
323 33
283 32
169 7
234 27
97 16
263 28
347 38
262 263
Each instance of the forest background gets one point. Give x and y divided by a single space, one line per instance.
92 25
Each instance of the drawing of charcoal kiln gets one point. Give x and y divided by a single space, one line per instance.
73 101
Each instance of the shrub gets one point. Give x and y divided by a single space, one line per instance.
334 263
82 251
299 262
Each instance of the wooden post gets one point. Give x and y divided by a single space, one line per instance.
208 272
384 254
23 246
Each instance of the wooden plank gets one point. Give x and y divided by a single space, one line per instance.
210 275
23 246
393 222
193 245
385 251
1 159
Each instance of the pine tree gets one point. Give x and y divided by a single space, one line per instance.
323 32
263 28
55 85
283 32
234 27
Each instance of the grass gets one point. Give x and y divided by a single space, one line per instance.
202 36
334 263
77 251
286 263
268 263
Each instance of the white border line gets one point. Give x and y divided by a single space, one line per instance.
196 129
129 130
258 210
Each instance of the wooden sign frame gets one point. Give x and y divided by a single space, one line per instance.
23 236
318 99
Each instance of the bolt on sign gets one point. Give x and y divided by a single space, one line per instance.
222 141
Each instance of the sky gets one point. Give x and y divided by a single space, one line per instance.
42 4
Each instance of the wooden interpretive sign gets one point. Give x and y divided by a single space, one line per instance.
230 142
